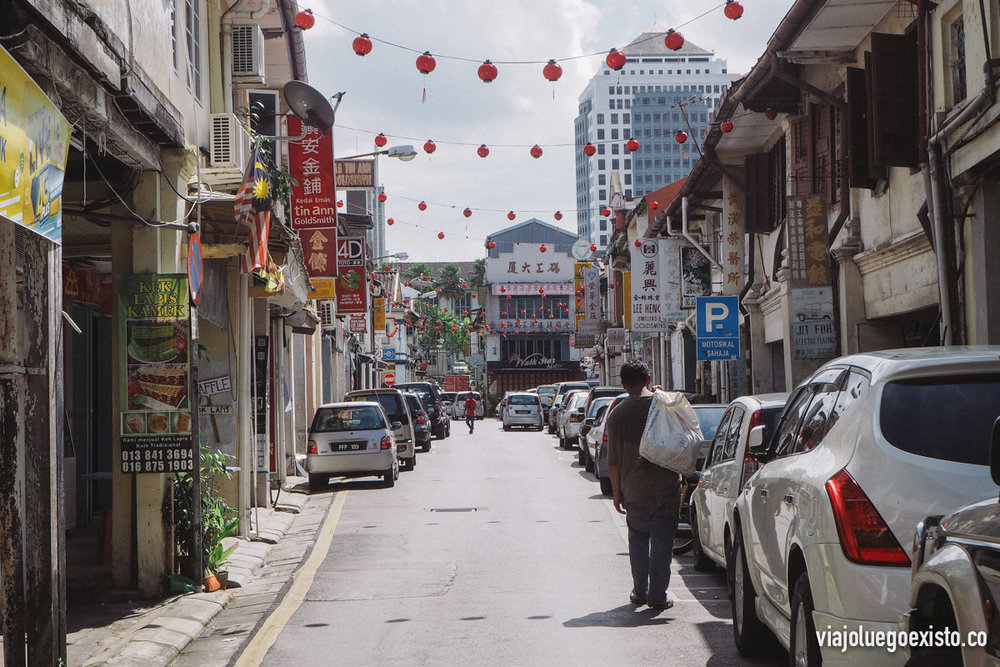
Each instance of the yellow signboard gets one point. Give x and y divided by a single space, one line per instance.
627 290
323 288
34 144
378 314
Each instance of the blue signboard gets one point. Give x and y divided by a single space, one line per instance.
388 354
718 328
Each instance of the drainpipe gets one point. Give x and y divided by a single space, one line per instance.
692 240
227 44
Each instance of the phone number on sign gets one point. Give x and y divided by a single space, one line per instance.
158 460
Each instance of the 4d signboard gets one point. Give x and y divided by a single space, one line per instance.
154 340
352 287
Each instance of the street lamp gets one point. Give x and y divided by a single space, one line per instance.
399 255
403 153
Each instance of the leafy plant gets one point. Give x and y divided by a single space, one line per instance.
478 277
281 179
449 280
453 341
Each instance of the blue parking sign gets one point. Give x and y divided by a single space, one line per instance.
718 334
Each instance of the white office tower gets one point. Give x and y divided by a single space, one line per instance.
647 100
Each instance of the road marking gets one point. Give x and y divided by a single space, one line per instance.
253 655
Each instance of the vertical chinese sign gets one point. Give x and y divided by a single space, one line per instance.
154 352
655 295
314 207
352 288
590 324
34 145
584 336
810 293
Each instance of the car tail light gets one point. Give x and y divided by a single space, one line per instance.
864 535
386 443
401 447
312 448
421 417
604 438
576 417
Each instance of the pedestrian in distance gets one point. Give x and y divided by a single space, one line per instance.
647 494
470 412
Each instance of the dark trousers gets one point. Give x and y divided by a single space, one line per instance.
651 546
470 421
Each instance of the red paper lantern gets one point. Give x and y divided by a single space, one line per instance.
340 203
493 244
653 205
726 126
454 327
638 243
483 151
511 215
632 145
439 291
557 215
362 45
605 211
487 71
429 146
440 236
381 140
680 136
733 9
465 285
382 197
474 296
523 311
536 151
422 206
387 267
589 149
593 248
542 248
673 40
426 63
615 60
467 212
305 19
541 290
502 289
405 284
552 71
611 285
770 113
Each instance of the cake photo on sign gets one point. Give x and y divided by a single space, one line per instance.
157 387
154 342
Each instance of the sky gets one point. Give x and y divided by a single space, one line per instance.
385 93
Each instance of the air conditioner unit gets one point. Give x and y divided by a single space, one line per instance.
248 54
230 143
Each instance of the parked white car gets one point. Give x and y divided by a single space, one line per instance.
588 447
571 417
521 409
866 447
458 407
724 473
353 439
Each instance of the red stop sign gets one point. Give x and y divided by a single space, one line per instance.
389 379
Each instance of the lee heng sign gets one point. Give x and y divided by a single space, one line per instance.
655 294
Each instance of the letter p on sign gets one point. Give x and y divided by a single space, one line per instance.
715 315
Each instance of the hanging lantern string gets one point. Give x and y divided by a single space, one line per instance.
508 62
487 210
451 143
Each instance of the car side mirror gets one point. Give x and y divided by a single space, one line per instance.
995 452
396 425
580 410
589 421
756 445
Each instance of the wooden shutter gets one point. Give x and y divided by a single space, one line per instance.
779 178
822 150
857 131
758 193
896 136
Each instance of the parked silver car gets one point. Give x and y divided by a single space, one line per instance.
522 409
458 407
395 407
353 439
599 436
587 446
571 418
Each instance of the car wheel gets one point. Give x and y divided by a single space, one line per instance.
506 427
318 482
747 628
411 462
803 646
447 430
581 457
562 441
606 486
426 447
389 478
702 562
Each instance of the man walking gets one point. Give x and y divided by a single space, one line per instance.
470 412
648 495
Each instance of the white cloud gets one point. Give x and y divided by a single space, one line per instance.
384 93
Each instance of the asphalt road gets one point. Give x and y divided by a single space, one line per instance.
498 549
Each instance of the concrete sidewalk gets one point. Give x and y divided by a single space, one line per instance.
155 635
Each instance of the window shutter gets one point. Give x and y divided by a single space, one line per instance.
823 150
758 193
857 130
802 156
896 136
779 177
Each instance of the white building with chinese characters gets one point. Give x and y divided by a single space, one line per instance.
531 306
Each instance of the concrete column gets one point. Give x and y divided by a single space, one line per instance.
850 287
761 380
239 285
982 286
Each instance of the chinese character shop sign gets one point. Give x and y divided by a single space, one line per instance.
34 145
320 249
591 322
528 264
153 325
811 297
311 166
655 293
352 289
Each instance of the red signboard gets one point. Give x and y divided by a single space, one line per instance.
389 379
352 288
314 200
320 248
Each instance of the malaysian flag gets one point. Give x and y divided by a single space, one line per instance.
253 209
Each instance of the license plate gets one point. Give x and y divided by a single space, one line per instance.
522 412
347 446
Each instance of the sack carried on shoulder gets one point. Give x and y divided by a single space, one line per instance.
672 437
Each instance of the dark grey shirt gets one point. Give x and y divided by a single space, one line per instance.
643 484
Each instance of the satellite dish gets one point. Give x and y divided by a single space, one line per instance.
310 105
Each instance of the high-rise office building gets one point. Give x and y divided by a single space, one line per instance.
658 93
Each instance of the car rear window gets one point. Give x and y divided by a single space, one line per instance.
942 418
708 419
523 400
546 391
334 420
391 403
